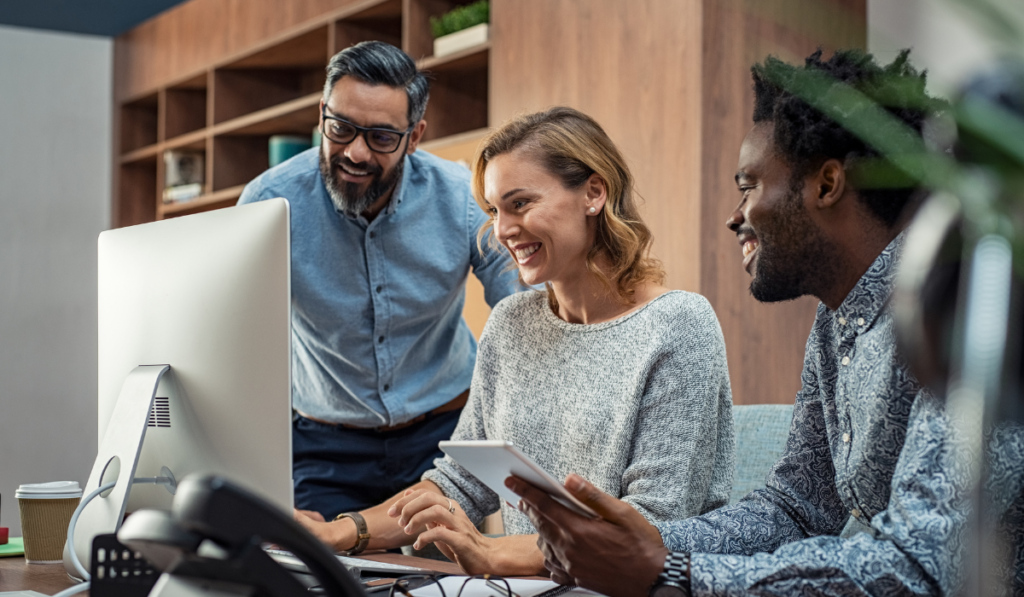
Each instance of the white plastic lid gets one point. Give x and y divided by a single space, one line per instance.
55 490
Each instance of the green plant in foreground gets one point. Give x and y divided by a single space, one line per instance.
461 18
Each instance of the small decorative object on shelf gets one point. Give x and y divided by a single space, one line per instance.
284 147
183 175
461 28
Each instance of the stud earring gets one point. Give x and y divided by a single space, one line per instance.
592 210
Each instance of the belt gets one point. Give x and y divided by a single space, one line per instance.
453 404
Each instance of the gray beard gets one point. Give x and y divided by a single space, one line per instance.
346 196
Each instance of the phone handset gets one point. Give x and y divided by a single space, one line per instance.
211 542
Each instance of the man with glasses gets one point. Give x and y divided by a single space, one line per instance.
383 237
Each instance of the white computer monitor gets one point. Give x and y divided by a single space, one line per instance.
209 295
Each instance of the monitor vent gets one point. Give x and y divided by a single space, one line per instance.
160 414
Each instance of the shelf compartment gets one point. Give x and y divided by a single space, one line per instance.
279 74
139 123
382 22
458 93
237 159
184 107
418 40
137 192
308 50
241 92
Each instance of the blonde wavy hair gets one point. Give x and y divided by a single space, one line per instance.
572 147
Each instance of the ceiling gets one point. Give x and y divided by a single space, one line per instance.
93 17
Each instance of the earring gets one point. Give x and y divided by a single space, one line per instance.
592 210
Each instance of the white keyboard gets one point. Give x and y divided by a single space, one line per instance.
355 565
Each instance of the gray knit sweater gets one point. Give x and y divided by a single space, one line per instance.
640 406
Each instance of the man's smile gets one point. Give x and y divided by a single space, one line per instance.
748 244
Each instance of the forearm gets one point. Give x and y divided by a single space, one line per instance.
755 524
385 532
823 566
517 555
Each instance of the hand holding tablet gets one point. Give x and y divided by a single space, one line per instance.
492 461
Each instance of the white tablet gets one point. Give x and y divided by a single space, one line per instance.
493 461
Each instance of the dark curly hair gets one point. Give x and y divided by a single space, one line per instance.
806 138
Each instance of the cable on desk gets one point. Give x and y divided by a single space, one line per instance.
86 577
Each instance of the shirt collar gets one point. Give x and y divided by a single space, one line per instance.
871 293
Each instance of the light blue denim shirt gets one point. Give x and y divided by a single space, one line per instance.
377 331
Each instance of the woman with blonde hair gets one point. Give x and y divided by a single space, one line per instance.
606 373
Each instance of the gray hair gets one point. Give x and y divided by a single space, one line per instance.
379 63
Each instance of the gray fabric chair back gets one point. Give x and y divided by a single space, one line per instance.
761 432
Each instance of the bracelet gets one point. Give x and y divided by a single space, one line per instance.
362 532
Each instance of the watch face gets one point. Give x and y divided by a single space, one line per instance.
668 588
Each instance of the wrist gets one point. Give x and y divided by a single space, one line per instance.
674 579
344 535
651 568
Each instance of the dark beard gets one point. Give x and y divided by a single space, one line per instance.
345 195
793 257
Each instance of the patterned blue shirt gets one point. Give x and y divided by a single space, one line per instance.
377 331
850 453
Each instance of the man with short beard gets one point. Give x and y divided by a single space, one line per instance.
867 441
383 238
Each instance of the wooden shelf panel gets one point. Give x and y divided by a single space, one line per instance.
142 154
467 59
194 140
224 196
297 116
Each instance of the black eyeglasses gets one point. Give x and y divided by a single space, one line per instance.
404 585
344 132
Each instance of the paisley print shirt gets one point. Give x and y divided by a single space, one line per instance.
850 453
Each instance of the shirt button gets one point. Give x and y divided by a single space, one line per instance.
379 288
387 387
842 321
860 321
855 513
373 234
380 339
846 361
846 438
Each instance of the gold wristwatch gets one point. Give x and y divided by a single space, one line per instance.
362 532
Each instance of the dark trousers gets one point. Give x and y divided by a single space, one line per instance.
337 469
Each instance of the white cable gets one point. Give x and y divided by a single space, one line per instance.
74 522
71 533
79 588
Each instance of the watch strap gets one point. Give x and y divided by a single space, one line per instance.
362 532
676 571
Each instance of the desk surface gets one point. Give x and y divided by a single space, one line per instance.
16 575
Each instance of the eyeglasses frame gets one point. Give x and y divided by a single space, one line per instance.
362 130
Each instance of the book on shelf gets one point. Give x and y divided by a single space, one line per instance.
182 193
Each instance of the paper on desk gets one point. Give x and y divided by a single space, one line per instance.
479 588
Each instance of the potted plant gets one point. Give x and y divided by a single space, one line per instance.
460 28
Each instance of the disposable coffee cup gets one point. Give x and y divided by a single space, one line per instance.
46 510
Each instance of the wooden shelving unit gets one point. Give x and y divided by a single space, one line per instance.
229 109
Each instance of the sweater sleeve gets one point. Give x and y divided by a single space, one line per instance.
458 484
800 498
682 454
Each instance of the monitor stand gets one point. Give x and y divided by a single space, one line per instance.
116 460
